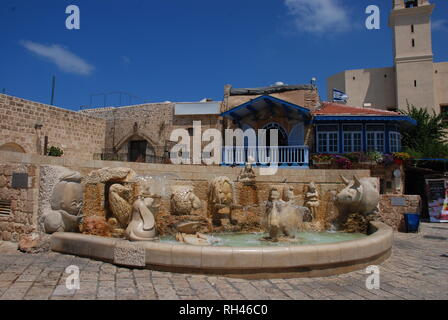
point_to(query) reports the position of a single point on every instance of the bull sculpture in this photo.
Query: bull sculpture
(359, 196)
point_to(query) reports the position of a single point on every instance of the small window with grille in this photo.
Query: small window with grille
(5, 207)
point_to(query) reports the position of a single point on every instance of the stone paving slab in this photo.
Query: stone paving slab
(416, 270)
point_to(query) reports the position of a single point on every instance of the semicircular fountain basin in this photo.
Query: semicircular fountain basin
(313, 255)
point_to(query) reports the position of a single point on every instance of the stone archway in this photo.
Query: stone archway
(12, 147)
(282, 134)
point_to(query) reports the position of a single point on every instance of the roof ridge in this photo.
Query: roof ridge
(355, 107)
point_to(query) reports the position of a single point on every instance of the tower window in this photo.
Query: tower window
(354, 78)
(415, 83)
(412, 28)
(385, 76)
(413, 42)
(411, 3)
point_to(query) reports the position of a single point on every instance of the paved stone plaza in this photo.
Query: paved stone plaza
(417, 269)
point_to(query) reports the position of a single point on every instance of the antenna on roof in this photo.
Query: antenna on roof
(53, 85)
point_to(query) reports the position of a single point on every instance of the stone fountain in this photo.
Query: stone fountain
(127, 218)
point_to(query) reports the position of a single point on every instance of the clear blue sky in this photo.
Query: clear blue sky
(182, 50)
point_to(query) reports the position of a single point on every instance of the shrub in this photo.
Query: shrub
(402, 156)
(342, 161)
(55, 152)
(375, 156)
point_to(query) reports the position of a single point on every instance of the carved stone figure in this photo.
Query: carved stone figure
(197, 239)
(289, 194)
(247, 175)
(66, 205)
(143, 226)
(119, 204)
(359, 196)
(184, 201)
(221, 200)
(312, 201)
(282, 218)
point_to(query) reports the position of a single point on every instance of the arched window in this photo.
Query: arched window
(297, 135)
(12, 147)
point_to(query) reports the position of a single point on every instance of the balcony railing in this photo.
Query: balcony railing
(284, 156)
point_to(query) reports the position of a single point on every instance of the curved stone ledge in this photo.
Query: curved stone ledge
(248, 262)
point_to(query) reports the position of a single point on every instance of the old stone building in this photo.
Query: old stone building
(32, 127)
(143, 133)
(414, 77)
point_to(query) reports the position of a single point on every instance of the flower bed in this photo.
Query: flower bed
(358, 160)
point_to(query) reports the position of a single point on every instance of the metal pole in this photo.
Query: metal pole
(53, 85)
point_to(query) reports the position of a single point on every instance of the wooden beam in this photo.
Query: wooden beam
(271, 106)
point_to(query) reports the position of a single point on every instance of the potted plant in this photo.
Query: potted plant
(400, 157)
(388, 159)
(342, 162)
(321, 159)
(375, 157)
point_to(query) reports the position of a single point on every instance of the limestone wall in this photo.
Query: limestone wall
(251, 200)
(392, 209)
(23, 201)
(152, 122)
(78, 135)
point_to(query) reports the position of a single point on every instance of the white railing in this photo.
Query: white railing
(290, 155)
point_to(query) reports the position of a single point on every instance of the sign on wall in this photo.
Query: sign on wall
(437, 195)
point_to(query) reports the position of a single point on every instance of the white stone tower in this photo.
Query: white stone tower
(413, 57)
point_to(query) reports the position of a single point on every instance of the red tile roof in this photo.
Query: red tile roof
(331, 108)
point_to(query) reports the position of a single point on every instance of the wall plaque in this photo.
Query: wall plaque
(398, 201)
(19, 180)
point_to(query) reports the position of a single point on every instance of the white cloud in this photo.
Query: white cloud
(319, 16)
(63, 58)
(439, 25)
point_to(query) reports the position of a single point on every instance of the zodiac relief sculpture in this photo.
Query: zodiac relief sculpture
(121, 207)
(247, 175)
(143, 226)
(359, 196)
(282, 218)
(66, 201)
(312, 201)
(221, 200)
(184, 201)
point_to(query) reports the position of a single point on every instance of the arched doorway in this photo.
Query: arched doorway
(139, 150)
(12, 147)
(282, 135)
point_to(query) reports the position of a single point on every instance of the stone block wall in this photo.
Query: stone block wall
(24, 201)
(251, 200)
(152, 122)
(26, 123)
(393, 215)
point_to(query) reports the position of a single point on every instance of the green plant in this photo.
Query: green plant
(402, 156)
(427, 138)
(322, 157)
(354, 156)
(55, 152)
(375, 156)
